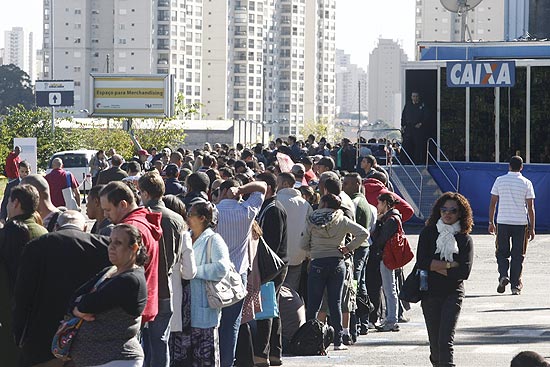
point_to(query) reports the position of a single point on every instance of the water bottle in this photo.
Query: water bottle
(423, 280)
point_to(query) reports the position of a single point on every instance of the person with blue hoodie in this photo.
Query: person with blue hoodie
(323, 238)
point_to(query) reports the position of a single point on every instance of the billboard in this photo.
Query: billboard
(481, 74)
(146, 96)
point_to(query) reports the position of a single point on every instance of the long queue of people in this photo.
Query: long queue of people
(167, 224)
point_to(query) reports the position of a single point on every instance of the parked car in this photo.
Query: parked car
(76, 162)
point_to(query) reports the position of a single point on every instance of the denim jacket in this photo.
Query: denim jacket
(202, 316)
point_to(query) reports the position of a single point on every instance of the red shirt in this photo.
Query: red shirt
(57, 180)
(12, 166)
(148, 224)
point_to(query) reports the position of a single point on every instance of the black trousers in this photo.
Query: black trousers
(518, 236)
(441, 316)
(374, 285)
(268, 343)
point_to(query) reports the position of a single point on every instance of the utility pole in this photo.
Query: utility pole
(359, 103)
(52, 56)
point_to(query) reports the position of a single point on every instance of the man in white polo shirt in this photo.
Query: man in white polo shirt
(516, 220)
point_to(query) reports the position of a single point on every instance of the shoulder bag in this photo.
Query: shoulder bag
(68, 330)
(397, 251)
(410, 291)
(227, 291)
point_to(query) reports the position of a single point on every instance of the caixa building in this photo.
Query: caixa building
(488, 102)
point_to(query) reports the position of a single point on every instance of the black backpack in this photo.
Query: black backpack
(312, 339)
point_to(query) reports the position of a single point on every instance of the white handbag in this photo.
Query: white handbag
(68, 195)
(227, 291)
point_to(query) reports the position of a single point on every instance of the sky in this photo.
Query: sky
(359, 24)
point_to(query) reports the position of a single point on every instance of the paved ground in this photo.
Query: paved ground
(492, 328)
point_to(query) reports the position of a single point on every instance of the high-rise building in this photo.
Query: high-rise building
(348, 77)
(300, 81)
(385, 82)
(14, 48)
(251, 60)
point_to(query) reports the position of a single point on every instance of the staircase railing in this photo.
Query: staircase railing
(417, 185)
(429, 155)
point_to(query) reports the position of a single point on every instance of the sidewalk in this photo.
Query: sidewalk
(492, 328)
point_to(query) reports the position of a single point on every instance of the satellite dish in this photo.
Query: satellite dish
(461, 7)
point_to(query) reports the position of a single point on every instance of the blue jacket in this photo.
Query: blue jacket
(202, 316)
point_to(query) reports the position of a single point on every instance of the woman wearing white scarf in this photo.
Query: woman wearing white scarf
(445, 251)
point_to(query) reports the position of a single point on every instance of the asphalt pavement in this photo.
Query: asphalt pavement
(492, 327)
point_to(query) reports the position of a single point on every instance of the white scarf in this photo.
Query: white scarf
(446, 243)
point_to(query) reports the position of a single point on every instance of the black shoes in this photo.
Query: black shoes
(503, 282)
(347, 340)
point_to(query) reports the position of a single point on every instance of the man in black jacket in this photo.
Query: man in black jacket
(115, 173)
(272, 219)
(197, 185)
(52, 267)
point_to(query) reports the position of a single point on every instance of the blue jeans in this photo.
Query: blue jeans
(155, 337)
(390, 291)
(329, 273)
(229, 330)
(518, 235)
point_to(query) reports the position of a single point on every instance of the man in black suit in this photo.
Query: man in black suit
(52, 267)
(115, 173)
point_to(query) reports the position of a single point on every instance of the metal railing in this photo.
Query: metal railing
(430, 155)
(419, 187)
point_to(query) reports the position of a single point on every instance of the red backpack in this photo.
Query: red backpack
(397, 252)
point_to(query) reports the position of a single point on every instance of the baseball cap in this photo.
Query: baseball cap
(143, 152)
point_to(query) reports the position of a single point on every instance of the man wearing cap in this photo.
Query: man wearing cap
(142, 159)
(298, 170)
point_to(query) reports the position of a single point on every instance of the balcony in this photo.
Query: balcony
(163, 3)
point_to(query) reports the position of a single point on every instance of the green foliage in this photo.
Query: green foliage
(20, 122)
(15, 88)
(322, 128)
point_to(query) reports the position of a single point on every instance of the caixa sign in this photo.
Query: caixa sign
(481, 74)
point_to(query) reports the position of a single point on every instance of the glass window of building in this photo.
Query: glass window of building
(453, 120)
(513, 118)
(540, 114)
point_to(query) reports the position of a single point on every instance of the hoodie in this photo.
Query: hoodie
(325, 232)
(148, 224)
(375, 188)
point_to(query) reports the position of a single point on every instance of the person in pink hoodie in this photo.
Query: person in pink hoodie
(376, 186)
(119, 205)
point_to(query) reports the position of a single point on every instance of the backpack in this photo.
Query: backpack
(312, 339)
(397, 252)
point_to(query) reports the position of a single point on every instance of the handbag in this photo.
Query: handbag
(410, 291)
(68, 195)
(269, 262)
(227, 291)
(397, 252)
(68, 330)
(270, 308)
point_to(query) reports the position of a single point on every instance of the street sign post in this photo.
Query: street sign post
(54, 93)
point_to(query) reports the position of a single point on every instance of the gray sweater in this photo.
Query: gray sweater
(325, 232)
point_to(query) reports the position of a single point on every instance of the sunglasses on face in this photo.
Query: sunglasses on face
(445, 210)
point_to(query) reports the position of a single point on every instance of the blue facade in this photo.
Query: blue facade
(476, 181)
(476, 51)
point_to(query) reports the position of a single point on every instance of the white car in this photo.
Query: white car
(76, 162)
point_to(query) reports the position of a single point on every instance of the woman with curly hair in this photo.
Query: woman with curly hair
(445, 251)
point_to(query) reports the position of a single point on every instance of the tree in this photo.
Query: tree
(15, 88)
(322, 128)
(19, 122)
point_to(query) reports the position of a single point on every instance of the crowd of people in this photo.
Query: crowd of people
(169, 222)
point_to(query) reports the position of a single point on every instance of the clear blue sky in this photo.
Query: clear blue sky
(359, 23)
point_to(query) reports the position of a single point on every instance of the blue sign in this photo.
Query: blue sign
(481, 74)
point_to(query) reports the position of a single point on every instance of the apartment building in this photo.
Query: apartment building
(348, 77)
(14, 48)
(384, 88)
(260, 60)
